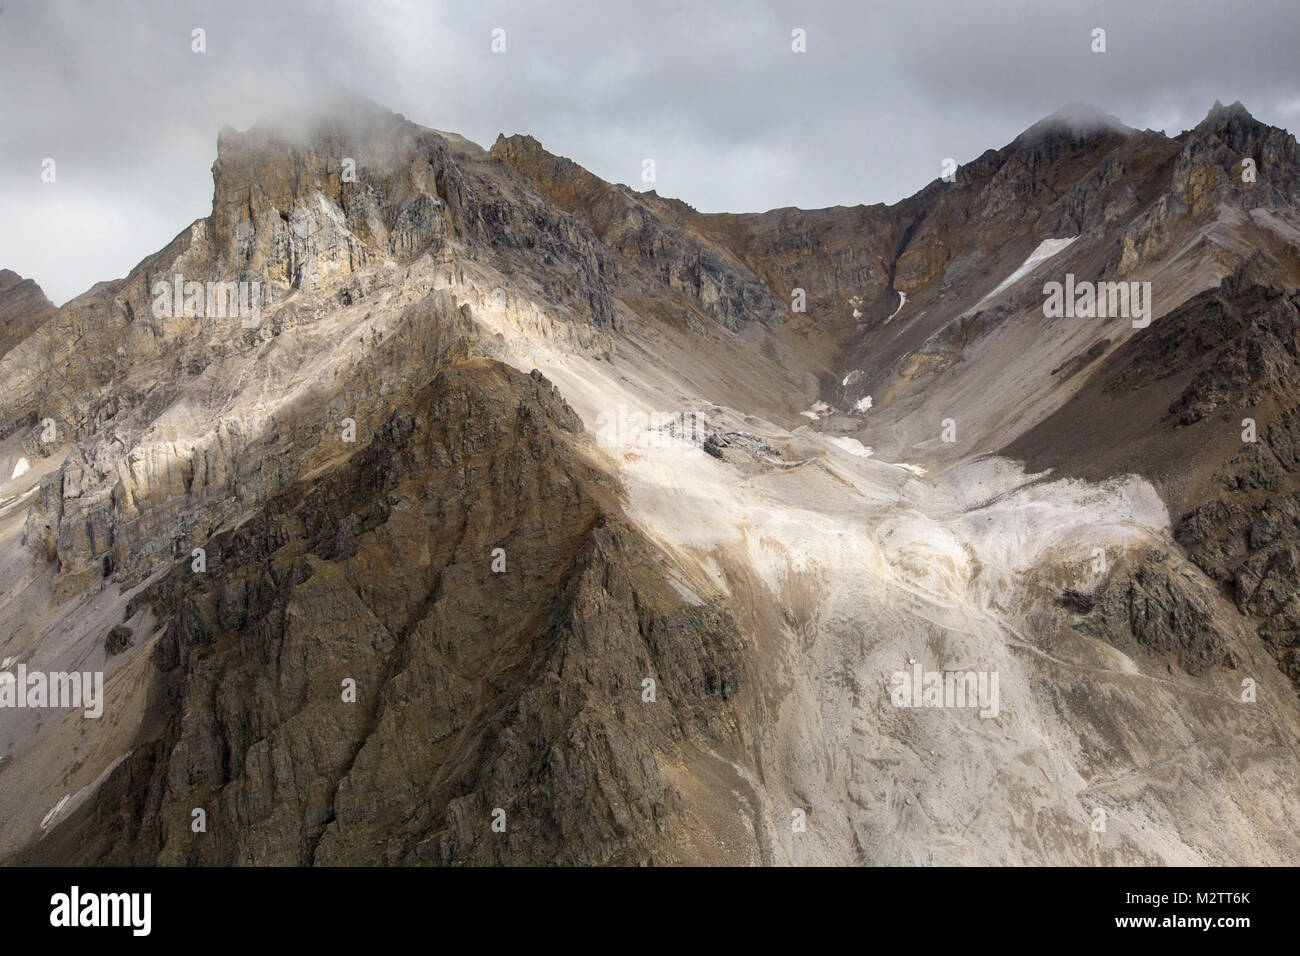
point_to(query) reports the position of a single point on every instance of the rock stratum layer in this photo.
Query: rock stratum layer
(463, 508)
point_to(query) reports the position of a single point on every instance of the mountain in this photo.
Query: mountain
(426, 504)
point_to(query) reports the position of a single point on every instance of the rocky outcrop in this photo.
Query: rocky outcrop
(1180, 402)
(1240, 341)
(118, 640)
(114, 512)
(1160, 604)
(1246, 535)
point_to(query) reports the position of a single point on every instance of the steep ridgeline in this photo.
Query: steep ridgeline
(432, 505)
(912, 301)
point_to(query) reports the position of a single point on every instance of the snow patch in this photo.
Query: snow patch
(852, 446)
(49, 817)
(21, 468)
(1046, 249)
(902, 301)
(862, 404)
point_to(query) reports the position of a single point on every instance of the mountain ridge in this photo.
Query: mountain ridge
(451, 349)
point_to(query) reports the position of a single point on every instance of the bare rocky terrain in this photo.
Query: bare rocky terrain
(528, 521)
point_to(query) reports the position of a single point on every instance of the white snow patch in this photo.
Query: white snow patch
(851, 378)
(902, 301)
(1046, 249)
(852, 446)
(862, 404)
(21, 468)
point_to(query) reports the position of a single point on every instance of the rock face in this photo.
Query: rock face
(23, 307)
(1246, 535)
(1167, 610)
(650, 235)
(372, 496)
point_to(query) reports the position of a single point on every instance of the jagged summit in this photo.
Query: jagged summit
(1234, 116)
(1236, 108)
(1234, 122)
(1227, 138)
(348, 120)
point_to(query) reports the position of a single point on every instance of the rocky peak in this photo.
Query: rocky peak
(323, 195)
(14, 287)
(1220, 112)
(23, 307)
(1233, 126)
(1217, 152)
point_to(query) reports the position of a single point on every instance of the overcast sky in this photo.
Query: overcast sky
(712, 91)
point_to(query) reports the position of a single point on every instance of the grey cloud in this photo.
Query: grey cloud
(734, 119)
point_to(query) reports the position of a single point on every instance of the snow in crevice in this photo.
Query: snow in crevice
(902, 301)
